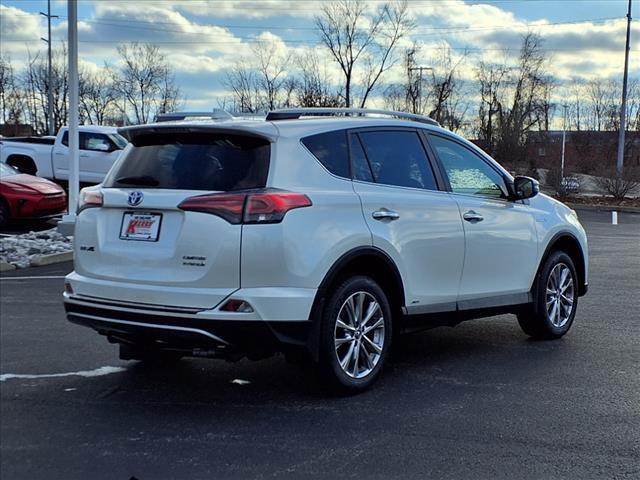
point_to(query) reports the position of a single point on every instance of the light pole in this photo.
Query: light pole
(623, 107)
(68, 221)
(50, 73)
(564, 136)
(419, 70)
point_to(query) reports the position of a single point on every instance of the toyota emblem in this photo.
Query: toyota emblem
(135, 198)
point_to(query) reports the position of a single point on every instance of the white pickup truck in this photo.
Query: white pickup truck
(48, 157)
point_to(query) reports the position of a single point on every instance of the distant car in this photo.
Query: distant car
(570, 184)
(28, 196)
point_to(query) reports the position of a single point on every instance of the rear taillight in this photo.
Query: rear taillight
(236, 208)
(89, 198)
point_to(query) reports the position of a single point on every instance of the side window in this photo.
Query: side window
(65, 138)
(94, 141)
(361, 169)
(331, 149)
(467, 172)
(398, 158)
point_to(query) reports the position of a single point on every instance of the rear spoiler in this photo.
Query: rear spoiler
(130, 133)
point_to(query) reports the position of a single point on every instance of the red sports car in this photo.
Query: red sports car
(28, 196)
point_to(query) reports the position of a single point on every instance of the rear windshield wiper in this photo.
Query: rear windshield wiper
(146, 180)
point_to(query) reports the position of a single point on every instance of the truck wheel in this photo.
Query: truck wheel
(355, 335)
(556, 299)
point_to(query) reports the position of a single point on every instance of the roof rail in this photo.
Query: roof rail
(215, 114)
(296, 113)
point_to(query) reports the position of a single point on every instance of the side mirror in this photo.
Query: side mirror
(525, 187)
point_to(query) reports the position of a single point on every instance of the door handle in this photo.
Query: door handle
(83, 155)
(472, 216)
(384, 214)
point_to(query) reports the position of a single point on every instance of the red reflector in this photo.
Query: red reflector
(226, 205)
(267, 207)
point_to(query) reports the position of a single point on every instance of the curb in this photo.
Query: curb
(42, 260)
(6, 267)
(602, 208)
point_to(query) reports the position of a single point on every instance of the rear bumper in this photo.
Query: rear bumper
(184, 329)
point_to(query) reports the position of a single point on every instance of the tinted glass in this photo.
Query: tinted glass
(361, 169)
(95, 141)
(65, 138)
(467, 172)
(193, 161)
(331, 149)
(398, 158)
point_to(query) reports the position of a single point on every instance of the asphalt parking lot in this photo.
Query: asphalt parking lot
(476, 401)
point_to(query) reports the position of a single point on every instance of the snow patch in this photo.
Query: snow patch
(98, 372)
(20, 249)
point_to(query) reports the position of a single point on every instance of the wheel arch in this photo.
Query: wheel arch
(22, 162)
(369, 261)
(568, 243)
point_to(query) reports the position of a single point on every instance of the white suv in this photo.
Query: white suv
(318, 232)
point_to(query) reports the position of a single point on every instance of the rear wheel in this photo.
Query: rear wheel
(355, 334)
(556, 299)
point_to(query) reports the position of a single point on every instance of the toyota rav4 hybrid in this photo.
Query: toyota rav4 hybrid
(317, 233)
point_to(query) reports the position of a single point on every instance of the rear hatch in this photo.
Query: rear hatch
(145, 231)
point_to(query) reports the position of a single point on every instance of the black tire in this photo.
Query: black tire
(537, 322)
(361, 376)
(4, 213)
(147, 354)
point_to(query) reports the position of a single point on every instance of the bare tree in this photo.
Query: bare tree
(313, 88)
(491, 78)
(353, 38)
(513, 100)
(619, 186)
(35, 82)
(242, 82)
(145, 80)
(170, 98)
(447, 105)
(11, 98)
(98, 96)
(271, 77)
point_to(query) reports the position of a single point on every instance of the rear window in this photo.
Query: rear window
(193, 161)
(332, 151)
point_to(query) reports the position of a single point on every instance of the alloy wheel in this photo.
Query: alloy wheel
(359, 334)
(560, 295)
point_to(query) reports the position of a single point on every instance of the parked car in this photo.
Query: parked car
(25, 196)
(323, 238)
(48, 157)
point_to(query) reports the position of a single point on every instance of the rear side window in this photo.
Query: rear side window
(398, 158)
(193, 161)
(331, 149)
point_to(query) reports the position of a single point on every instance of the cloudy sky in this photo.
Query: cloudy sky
(202, 38)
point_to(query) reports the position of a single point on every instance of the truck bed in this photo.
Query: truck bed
(38, 140)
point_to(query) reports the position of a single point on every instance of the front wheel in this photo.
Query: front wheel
(355, 334)
(556, 299)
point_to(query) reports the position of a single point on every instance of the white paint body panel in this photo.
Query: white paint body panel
(426, 242)
(501, 251)
(278, 268)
